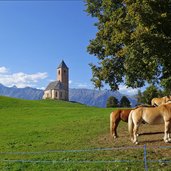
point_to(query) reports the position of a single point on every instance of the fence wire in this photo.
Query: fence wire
(145, 160)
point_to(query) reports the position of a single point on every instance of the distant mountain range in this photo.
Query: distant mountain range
(23, 93)
(96, 97)
(85, 96)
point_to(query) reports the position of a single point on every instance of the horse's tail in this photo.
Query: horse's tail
(130, 124)
(111, 123)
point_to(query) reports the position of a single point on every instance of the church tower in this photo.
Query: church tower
(62, 76)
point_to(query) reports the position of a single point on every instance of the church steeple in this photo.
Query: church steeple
(63, 65)
(62, 75)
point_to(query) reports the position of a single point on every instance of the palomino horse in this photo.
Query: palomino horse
(115, 117)
(159, 101)
(156, 115)
(118, 115)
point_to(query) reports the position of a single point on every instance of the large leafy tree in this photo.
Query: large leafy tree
(133, 42)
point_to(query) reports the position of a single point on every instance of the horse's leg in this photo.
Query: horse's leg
(112, 124)
(114, 121)
(166, 132)
(135, 130)
(115, 127)
(169, 132)
(114, 133)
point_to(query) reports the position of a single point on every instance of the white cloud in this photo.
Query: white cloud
(79, 85)
(128, 91)
(82, 85)
(20, 79)
(3, 70)
(41, 88)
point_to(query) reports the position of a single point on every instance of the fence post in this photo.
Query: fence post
(145, 158)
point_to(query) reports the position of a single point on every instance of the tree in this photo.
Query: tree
(112, 102)
(124, 102)
(139, 97)
(132, 44)
(148, 95)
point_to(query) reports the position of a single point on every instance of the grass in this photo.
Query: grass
(31, 132)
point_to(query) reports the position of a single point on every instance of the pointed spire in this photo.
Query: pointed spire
(62, 65)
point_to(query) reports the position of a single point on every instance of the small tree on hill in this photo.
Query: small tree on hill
(112, 102)
(124, 102)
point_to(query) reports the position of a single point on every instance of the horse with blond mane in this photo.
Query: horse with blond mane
(159, 101)
(156, 115)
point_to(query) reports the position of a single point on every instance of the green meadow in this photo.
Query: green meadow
(57, 135)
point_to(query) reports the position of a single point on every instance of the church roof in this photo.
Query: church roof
(55, 85)
(62, 65)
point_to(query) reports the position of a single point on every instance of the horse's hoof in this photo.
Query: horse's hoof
(114, 136)
(136, 143)
(166, 141)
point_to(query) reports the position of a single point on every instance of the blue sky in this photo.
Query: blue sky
(36, 35)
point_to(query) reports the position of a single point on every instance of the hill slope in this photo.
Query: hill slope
(57, 135)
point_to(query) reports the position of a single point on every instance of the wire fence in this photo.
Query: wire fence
(145, 159)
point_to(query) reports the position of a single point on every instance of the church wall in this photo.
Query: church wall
(53, 94)
(47, 94)
(56, 94)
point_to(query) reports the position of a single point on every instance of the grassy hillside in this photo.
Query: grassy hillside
(33, 133)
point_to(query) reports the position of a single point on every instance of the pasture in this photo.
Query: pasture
(57, 135)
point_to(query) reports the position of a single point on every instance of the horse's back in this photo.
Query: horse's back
(120, 114)
(115, 114)
(157, 115)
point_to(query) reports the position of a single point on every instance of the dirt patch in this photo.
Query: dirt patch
(151, 135)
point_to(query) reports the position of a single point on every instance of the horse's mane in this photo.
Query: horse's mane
(169, 101)
(144, 105)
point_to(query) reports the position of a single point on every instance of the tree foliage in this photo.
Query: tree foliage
(133, 42)
(124, 102)
(150, 93)
(112, 102)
